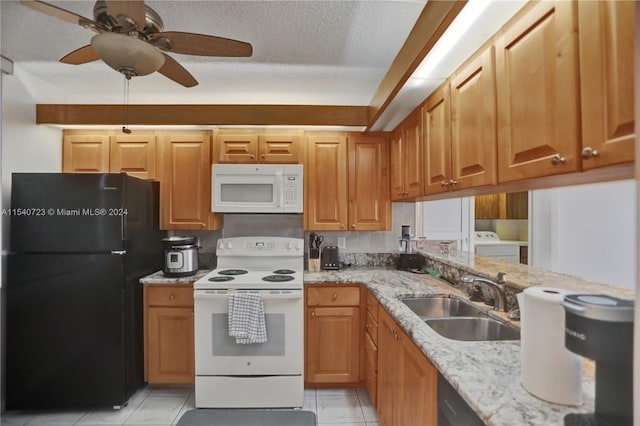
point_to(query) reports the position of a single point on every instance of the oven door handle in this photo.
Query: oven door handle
(265, 296)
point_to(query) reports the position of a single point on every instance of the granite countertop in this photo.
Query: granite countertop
(159, 278)
(485, 374)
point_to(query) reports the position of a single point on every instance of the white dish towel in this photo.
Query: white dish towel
(246, 318)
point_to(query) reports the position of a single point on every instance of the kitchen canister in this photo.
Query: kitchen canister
(549, 371)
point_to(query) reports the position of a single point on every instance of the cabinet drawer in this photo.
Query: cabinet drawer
(372, 305)
(169, 296)
(372, 328)
(371, 351)
(371, 382)
(333, 296)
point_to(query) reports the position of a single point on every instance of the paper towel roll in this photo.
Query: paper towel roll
(549, 371)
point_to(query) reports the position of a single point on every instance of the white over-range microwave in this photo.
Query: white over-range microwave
(257, 188)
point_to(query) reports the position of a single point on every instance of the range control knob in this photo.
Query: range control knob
(221, 245)
(229, 245)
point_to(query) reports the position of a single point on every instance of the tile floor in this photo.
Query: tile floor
(162, 406)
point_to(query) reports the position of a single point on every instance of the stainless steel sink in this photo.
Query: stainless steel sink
(441, 307)
(472, 329)
(459, 320)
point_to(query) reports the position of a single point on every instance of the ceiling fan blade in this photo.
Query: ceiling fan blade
(81, 56)
(133, 9)
(204, 45)
(176, 72)
(56, 12)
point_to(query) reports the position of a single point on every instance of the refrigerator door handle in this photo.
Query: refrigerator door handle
(119, 252)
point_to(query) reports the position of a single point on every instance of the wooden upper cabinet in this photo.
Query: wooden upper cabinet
(412, 161)
(134, 154)
(473, 122)
(247, 146)
(325, 182)
(395, 164)
(185, 181)
(237, 147)
(406, 158)
(537, 92)
(85, 152)
(437, 125)
(106, 151)
(280, 148)
(369, 203)
(607, 82)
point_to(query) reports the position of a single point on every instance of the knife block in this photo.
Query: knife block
(313, 260)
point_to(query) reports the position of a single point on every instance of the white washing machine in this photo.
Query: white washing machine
(488, 243)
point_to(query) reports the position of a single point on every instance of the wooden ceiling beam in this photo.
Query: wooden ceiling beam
(435, 18)
(245, 115)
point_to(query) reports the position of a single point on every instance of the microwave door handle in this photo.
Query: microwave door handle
(278, 196)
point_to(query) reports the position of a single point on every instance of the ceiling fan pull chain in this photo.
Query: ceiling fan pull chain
(125, 128)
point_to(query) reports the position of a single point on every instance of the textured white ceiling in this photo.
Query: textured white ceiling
(305, 52)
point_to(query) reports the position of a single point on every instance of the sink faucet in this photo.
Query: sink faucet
(498, 286)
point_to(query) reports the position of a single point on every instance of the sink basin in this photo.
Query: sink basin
(459, 320)
(441, 307)
(472, 329)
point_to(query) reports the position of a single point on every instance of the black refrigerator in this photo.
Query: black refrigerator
(79, 243)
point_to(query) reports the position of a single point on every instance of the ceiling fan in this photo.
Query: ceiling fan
(131, 39)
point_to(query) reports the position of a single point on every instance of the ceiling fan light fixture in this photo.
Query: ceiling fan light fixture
(126, 54)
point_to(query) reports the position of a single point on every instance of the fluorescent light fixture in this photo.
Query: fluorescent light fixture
(467, 16)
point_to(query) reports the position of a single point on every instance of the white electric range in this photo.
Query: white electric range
(257, 375)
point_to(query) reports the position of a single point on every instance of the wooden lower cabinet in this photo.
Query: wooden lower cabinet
(168, 334)
(332, 337)
(407, 380)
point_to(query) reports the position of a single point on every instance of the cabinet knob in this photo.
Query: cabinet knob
(444, 184)
(171, 297)
(453, 182)
(342, 226)
(589, 152)
(369, 326)
(557, 159)
(264, 156)
(334, 296)
(353, 226)
(252, 156)
(313, 313)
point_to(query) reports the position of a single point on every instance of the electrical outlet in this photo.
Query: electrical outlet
(342, 243)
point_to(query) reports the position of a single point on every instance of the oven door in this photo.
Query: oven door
(218, 354)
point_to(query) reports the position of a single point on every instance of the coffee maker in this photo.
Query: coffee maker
(408, 259)
(600, 327)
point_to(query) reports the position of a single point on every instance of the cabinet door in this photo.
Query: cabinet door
(438, 141)
(85, 153)
(395, 164)
(170, 345)
(412, 161)
(240, 147)
(607, 81)
(369, 203)
(417, 397)
(388, 367)
(185, 182)
(537, 92)
(473, 122)
(280, 148)
(326, 178)
(328, 329)
(134, 154)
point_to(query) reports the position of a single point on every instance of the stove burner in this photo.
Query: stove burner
(284, 271)
(277, 278)
(221, 279)
(232, 272)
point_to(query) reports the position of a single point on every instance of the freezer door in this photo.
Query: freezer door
(65, 344)
(67, 213)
